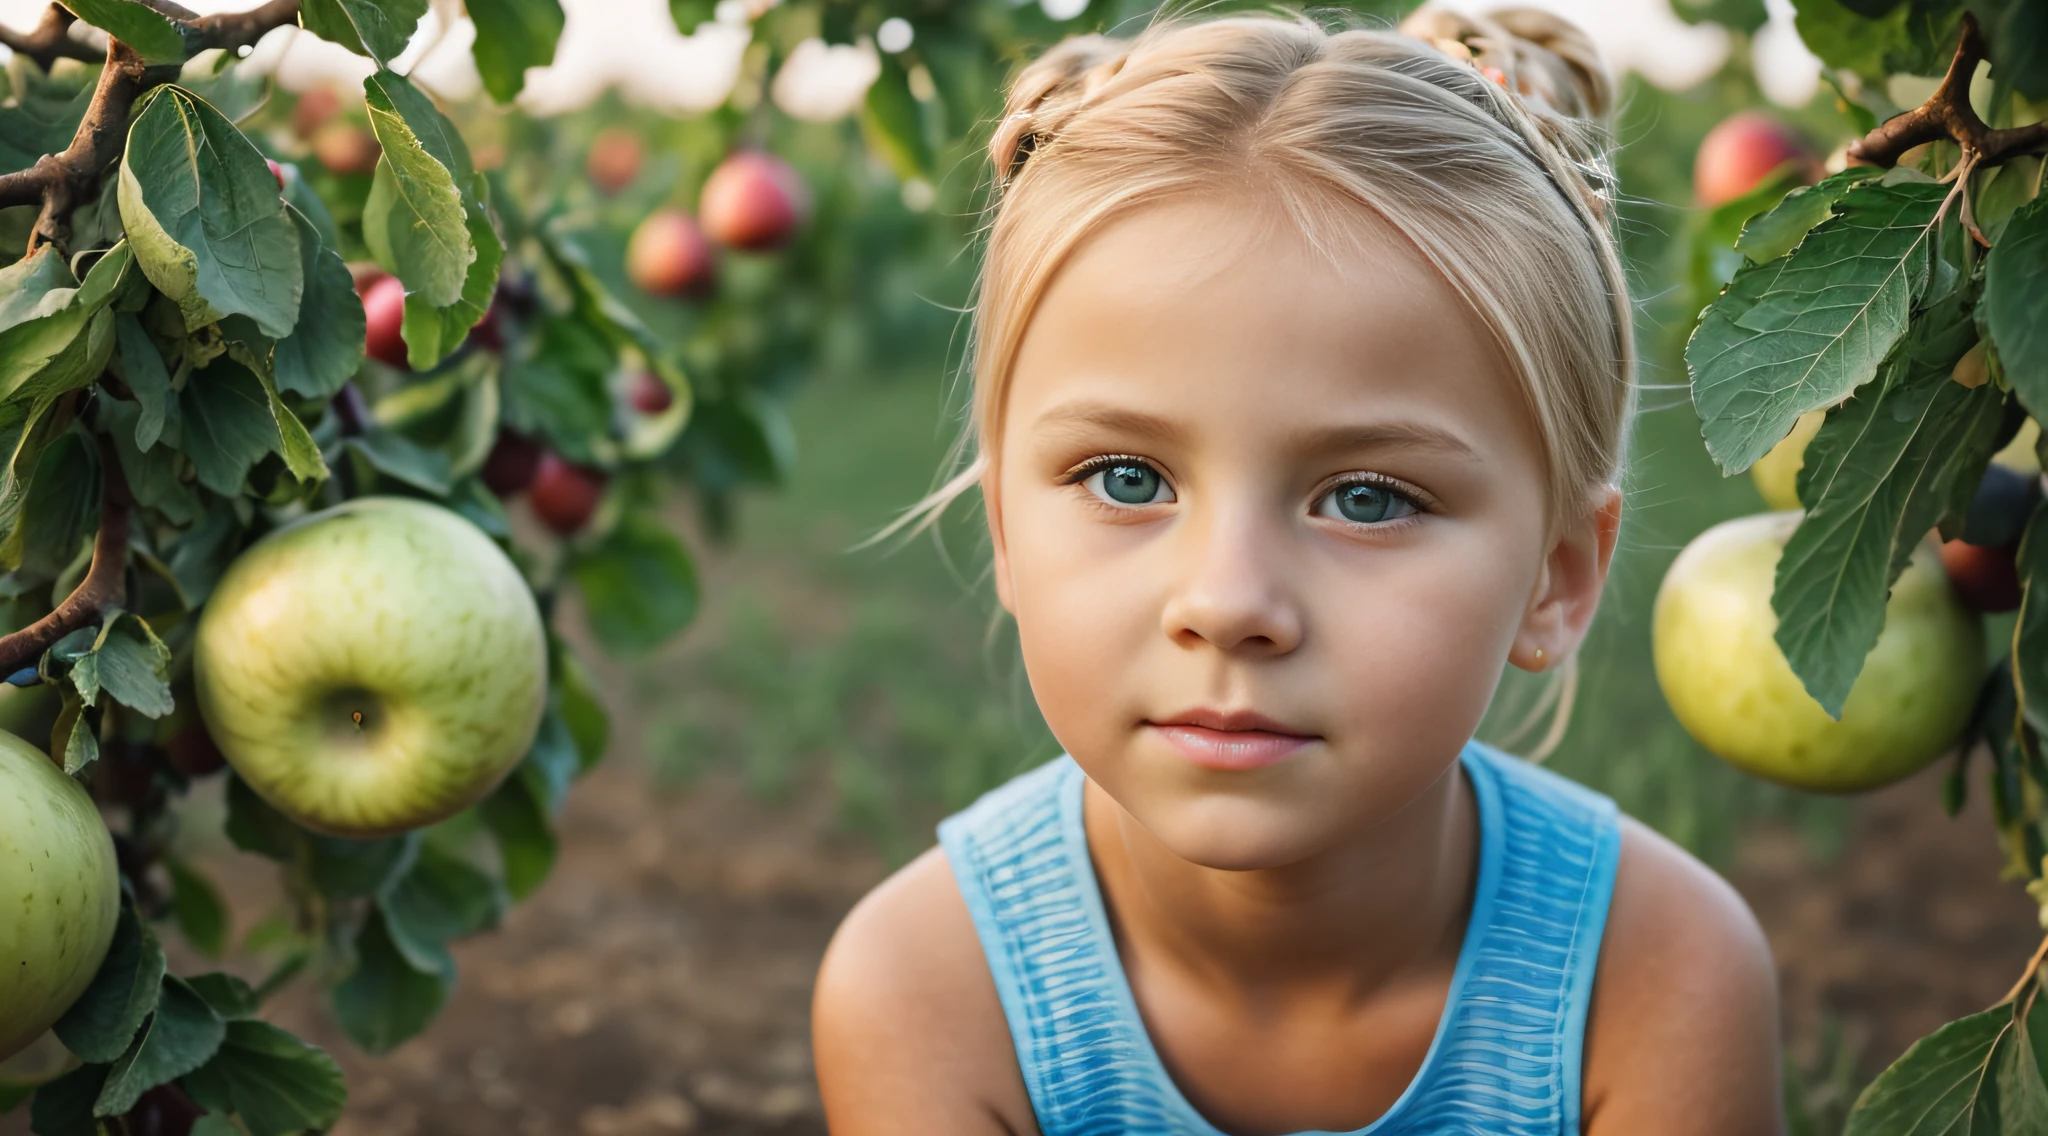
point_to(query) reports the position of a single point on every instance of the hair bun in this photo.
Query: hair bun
(1048, 92)
(1546, 59)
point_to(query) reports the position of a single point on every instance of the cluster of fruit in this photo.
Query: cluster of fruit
(1718, 661)
(357, 702)
(753, 201)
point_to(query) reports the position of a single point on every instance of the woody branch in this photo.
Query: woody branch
(1947, 114)
(61, 182)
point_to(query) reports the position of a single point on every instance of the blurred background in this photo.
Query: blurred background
(826, 707)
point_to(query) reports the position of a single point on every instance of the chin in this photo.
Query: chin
(1235, 833)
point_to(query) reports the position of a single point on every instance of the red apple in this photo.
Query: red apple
(276, 171)
(1738, 154)
(614, 159)
(667, 255)
(345, 148)
(314, 108)
(510, 468)
(753, 200)
(384, 321)
(1985, 576)
(648, 394)
(563, 494)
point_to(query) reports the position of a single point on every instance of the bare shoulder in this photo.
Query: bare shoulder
(1682, 1036)
(906, 1027)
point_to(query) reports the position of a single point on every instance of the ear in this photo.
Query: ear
(991, 508)
(1567, 592)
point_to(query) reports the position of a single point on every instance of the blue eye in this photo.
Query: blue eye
(1369, 502)
(1127, 481)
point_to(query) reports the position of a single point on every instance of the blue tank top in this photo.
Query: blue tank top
(1505, 1058)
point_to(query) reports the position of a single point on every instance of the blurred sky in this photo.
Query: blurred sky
(635, 46)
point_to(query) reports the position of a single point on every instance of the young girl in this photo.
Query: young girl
(1303, 381)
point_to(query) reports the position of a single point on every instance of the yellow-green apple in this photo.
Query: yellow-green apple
(1729, 684)
(372, 668)
(60, 893)
(1777, 473)
(43, 1060)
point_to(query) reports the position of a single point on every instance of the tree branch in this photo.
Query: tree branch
(105, 583)
(50, 41)
(62, 182)
(1947, 113)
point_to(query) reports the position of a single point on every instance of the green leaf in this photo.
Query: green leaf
(130, 663)
(554, 761)
(349, 869)
(588, 723)
(64, 1106)
(295, 442)
(101, 1024)
(385, 1000)
(2022, 1097)
(74, 736)
(2016, 303)
(229, 996)
(148, 379)
(182, 1035)
(689, 13)
(1935, 1089)
(1915, 38)
(2030, 635)
(1881, 471)
(153, 477)
(201, 913)
(276, 1083)
(205, 218)
(440, 899)
(61, 511)
(137, 25)
(2016, 31)
(326, 346)
(893, 123)
(511, 36)
(432, 333)
(379, 29)
(415, 222)
(394, 455)
(1803, 331)
(227, 423)
(202, 553)
(639, 586)
(1772, 235)
(517, 816)
(38, 316)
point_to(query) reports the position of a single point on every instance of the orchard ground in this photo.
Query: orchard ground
(776, 761)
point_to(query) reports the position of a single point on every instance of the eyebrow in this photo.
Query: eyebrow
(1074, 417)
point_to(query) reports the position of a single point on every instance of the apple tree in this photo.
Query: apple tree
(1900, 307)
(194, 434)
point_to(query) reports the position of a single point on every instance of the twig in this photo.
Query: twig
(105, 583)
(50, 41)
(1947, 114)
(62, 182)
(2026, 976)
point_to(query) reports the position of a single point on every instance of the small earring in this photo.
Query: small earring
(1539, 658)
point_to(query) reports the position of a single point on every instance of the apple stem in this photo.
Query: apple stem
(104, 585)
(356, 716)
(1947, 114)
(61, 182)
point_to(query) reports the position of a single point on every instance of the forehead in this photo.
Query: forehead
(1221, 315)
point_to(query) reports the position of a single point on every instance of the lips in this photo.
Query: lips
(1234, 740)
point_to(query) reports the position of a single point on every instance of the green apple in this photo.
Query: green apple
(1731, 688)
(44, 1060)
(372, 668)
(60, 893)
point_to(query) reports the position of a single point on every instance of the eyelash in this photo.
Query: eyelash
(1087, 469)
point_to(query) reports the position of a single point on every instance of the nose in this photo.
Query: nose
(1234, 592)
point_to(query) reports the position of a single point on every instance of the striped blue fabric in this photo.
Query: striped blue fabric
(1505, 1059)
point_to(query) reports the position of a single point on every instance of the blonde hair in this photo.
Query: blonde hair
(1480, 140)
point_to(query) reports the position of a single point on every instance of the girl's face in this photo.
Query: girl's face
(1234, 475)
